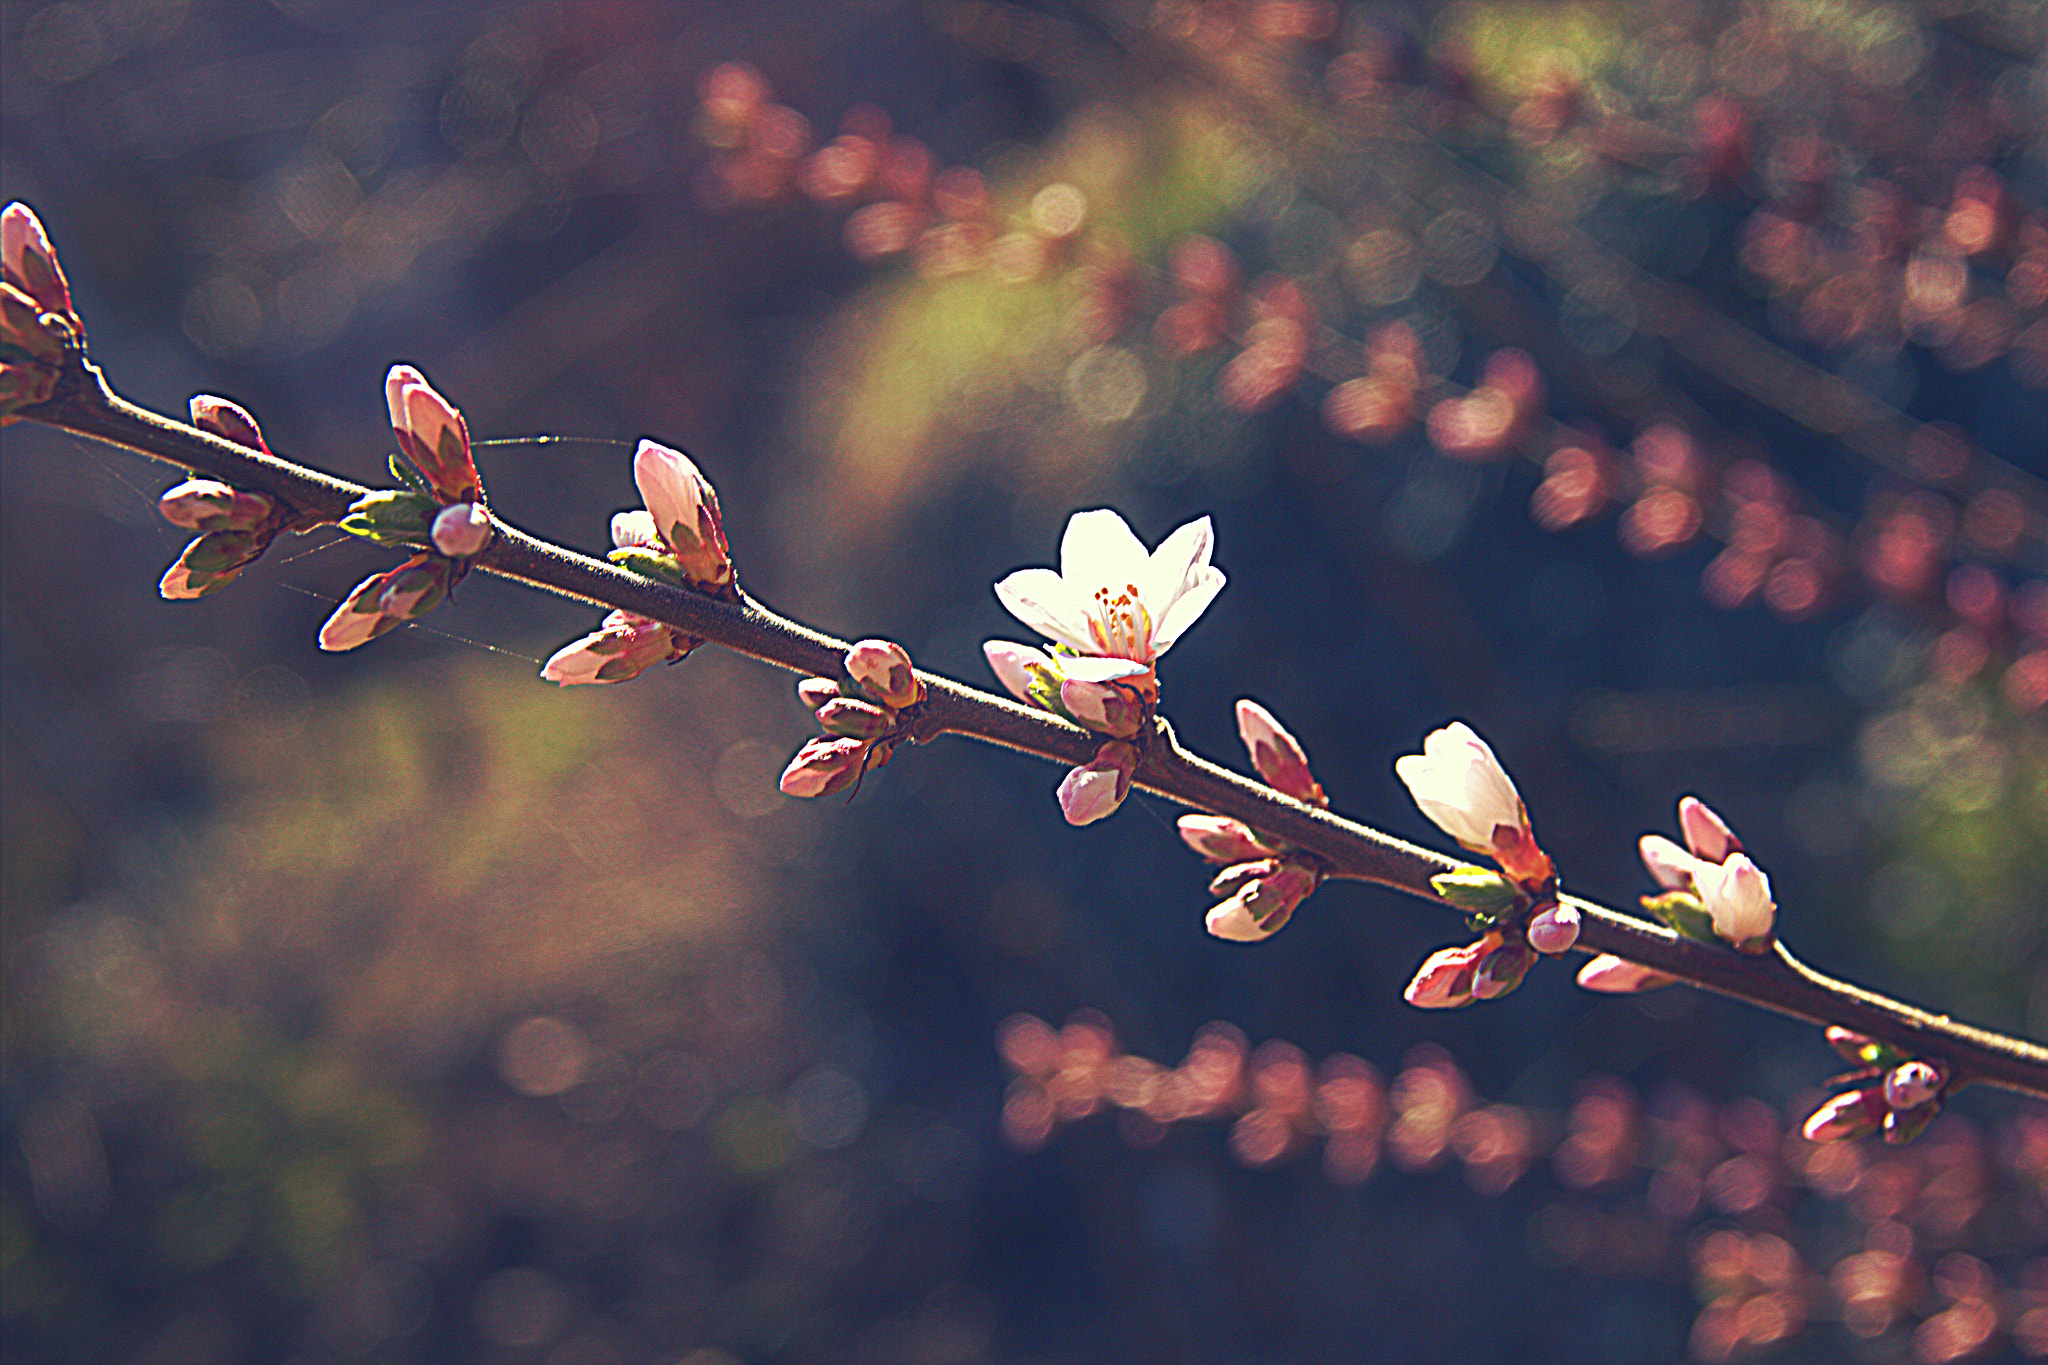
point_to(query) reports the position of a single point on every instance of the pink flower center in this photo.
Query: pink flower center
(1121, 626)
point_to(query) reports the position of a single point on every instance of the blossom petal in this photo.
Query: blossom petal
(1171, 569)
(1187, 608)
(1048, 604)
(1091, 668)
(1099, 549)
(1012, 664)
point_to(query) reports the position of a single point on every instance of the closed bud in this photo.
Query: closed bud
(1262, 898)
(227, 420)
(210, 505)
(855, 719)
(1554, 930)
(1851, 1114)
(1444, 981)
(1612, 975)
(211, 562)
(413, 589)
(1671, 865)
(461, 529)
(385, 601)
(883, 670)
(685, 511)
(432, 434)
(29, 262)
(1911, 1085)
(1706, 833)
(815, 692)
(624, 647)
(635, 530)
(1235, 878)
(1220, 839)
(1096, 789)
(1017, 666)
(1104, 708)
(824, 766)
(1276, 754)
(1502, 970)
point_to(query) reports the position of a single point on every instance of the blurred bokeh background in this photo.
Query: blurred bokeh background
(1660, 387)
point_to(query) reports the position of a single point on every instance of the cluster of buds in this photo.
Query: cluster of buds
(1108, 612)
(1463, 789)
(37, 323)
(1262, 880)
(677, 538)
(1894, 1094)
(234, 527)
(862, 715)
(440, 514)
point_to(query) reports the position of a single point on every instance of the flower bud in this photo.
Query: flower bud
(1911, 1085)
(685, 511)
(1262, 898)
(1554, 930)
(1462, 788)
(33, 378)
(210, 505)
(1706, 833)
(1502, 970)
(461, 529)
(1276, 754)
(884, 671)
(227, 420)
(1670, 865)
(856, 719)
(1237, 876)
(432, 434)
(1014, 666)
(1612, 975)
(386, 600)
(815, 692)
(1738, 896)
(623, 647)
(1095, 790)
(28, 262)
(1220, 839)
(1444, 981)
(211, 562)
(824, 766)
(1102, 707)
(636, 528)
(1851, 1114)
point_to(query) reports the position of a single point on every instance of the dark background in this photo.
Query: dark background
(393, 1006)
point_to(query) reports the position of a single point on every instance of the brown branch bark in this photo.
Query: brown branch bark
(84, 404)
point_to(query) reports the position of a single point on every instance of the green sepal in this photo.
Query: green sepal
(1044, 688)
(407, 473)
(1870, 1053)
(649, 564)
(1684, 913)
(1479, 889)
(391, 517)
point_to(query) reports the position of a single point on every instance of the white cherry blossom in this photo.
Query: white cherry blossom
(1111, 599)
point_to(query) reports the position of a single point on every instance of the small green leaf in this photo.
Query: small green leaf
(1478, 889)
(1684, 913)
(648, 564)
(391, 517)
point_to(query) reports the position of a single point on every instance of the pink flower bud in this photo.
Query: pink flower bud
(28, 262)
(1102, 707)
(1670, 865)
(210, 505)
(1262, 898)
(856, 719)
(1220, 839)
(1554, 930)
(685, 511)
(1851, 1114)
(213, 561)
(1014, 666)
(357, 621)
(432, 434)
(225, 419)
(33, 379)
(1911, 1085)
(1091, 792)
(815, 692)
(824, 766)
(884, 671)
(1501, 970)
(461, 529)
(413, 589)
(636, 528)
(1618, 976)
(1706, 833)
(1237, 876)
(624, 647)
(1445, 979)
(1276, 755)
(386, 600)
(1738, 896)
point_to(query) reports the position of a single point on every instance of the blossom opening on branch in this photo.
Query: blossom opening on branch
(1463, 789)
(683, 507)
(1111, 598)
(1712, 888)
(1277, 755)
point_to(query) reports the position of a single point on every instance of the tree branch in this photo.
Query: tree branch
(85, 405)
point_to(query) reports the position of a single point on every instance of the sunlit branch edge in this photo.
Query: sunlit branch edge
(85, 405)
